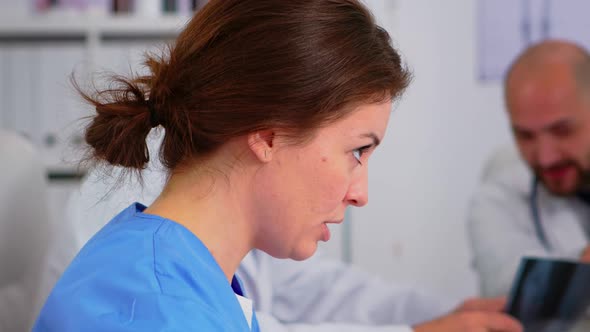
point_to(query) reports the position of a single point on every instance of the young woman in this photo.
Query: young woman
(271, 109)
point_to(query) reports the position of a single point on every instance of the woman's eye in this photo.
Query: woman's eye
(358, 153)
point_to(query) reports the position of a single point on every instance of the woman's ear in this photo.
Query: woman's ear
(261, 143)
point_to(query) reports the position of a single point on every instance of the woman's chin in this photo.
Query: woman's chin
(304, 253)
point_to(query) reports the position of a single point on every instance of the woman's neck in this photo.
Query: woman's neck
(206, 206)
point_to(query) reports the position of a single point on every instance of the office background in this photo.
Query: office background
(421, 178)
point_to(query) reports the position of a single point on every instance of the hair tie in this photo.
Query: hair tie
(154, 118)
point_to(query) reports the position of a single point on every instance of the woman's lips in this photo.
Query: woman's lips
(326, 231)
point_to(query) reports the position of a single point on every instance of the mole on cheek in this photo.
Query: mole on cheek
(324, 159)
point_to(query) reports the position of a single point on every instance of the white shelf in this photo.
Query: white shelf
(68, 26)
(137, 25)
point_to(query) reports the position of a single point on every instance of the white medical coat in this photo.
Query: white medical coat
(501, 227)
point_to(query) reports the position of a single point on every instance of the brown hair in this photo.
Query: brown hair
(246, 65)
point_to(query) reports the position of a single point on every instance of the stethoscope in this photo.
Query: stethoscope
(535, 213)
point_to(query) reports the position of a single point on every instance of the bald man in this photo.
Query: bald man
(534, 199)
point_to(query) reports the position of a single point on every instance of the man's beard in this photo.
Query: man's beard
(583, 177)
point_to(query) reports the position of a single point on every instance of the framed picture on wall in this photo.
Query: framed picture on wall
(507, 27)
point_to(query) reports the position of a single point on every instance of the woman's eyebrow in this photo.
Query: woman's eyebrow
(376, 140)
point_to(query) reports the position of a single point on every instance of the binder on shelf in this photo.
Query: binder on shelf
(3, 90)
(122, 6)
(148, 8)
(58, 102)
(20, 62)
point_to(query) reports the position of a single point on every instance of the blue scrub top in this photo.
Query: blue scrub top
(142, 272)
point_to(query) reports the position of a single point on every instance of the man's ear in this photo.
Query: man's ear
(261, 143)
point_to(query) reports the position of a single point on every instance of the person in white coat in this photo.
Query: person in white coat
(315, 295)
(535, 200)
(23, 229)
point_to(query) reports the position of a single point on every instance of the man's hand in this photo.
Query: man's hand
(585, 258)
(474, 315)
(472, 321)
(483, 304)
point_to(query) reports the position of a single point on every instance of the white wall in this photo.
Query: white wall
(422, 176)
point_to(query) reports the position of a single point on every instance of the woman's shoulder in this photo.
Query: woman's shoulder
(133, 250)
(122, 311)
(142, 270)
